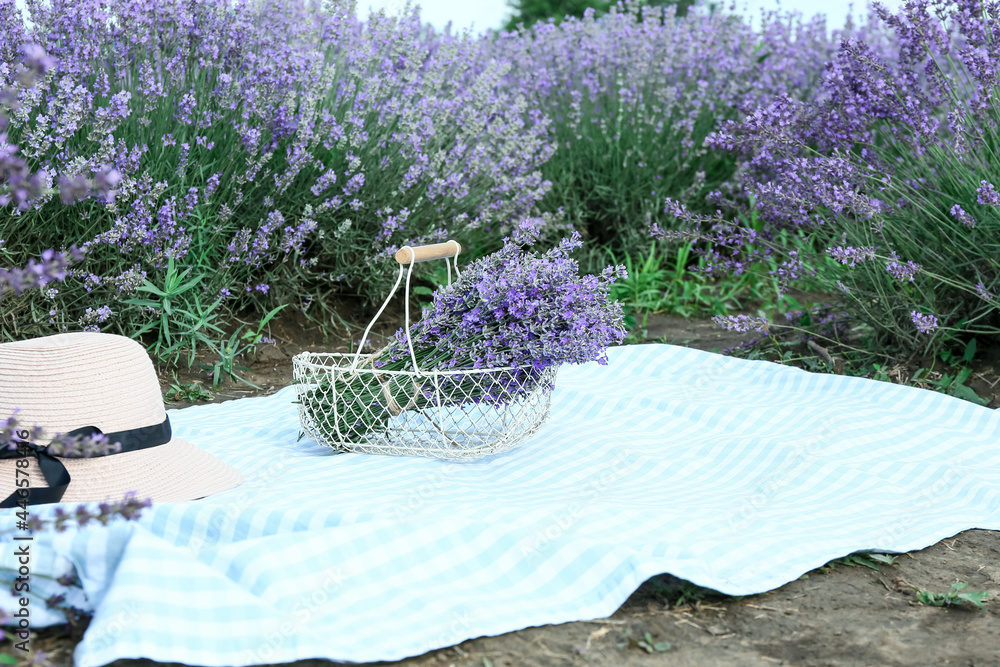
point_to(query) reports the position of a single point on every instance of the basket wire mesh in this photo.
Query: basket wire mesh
(346, 403)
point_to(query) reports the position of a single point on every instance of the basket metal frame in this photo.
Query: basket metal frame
(488, 428)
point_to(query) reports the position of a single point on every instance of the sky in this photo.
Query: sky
(486, 14)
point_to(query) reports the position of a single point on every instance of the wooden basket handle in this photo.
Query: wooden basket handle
(424, 253)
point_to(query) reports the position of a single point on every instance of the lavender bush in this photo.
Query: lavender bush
(279, 149)
(512, 309)
(892, 175)
(633, 94)
(25, 65)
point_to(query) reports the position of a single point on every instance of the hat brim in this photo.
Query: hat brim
(173, 472)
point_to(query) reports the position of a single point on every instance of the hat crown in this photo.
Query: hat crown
(66, 381)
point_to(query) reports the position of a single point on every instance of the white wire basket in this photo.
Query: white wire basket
(346, 403)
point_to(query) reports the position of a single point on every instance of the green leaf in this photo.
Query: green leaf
(966, 393)
(975, 598)
(662, 646)
(188, 285)
(6, 659)
(793, 302)
(151, 288)
(883, 558)
(142, 302)
(267, 318)
(970, 351)
(867, 563)
(149, 326)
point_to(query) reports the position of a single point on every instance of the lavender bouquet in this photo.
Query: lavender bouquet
(520, 312)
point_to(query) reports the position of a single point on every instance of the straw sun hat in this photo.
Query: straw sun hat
(70, 381)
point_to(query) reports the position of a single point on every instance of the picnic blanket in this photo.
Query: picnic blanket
(736, 475)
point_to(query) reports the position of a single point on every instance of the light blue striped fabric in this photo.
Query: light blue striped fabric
(737, 475)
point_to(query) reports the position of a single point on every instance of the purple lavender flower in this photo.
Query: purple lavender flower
(354, 184)
(185, 107)
(987, 194)
(11, 431)
(98, 316)
(851, 255)
(182, 161)
(190, 200)
(924, 323)
(73, 188)
(959, 214)
(323, 182)
(106, 178)
(741, 323)
(901, 272)
(212, 184)
(117, 110)
(52, 267)
(129, 509)
(36, 62)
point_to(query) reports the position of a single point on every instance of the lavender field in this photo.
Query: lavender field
(168, 166)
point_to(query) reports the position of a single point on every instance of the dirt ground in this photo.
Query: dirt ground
(842, 616)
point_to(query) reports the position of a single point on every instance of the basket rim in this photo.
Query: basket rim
(304, 360)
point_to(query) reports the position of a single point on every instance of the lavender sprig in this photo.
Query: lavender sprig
(61, 444)
(128, 509)
(52, 267)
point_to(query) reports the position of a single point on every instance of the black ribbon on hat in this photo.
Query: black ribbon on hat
(55, 473)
